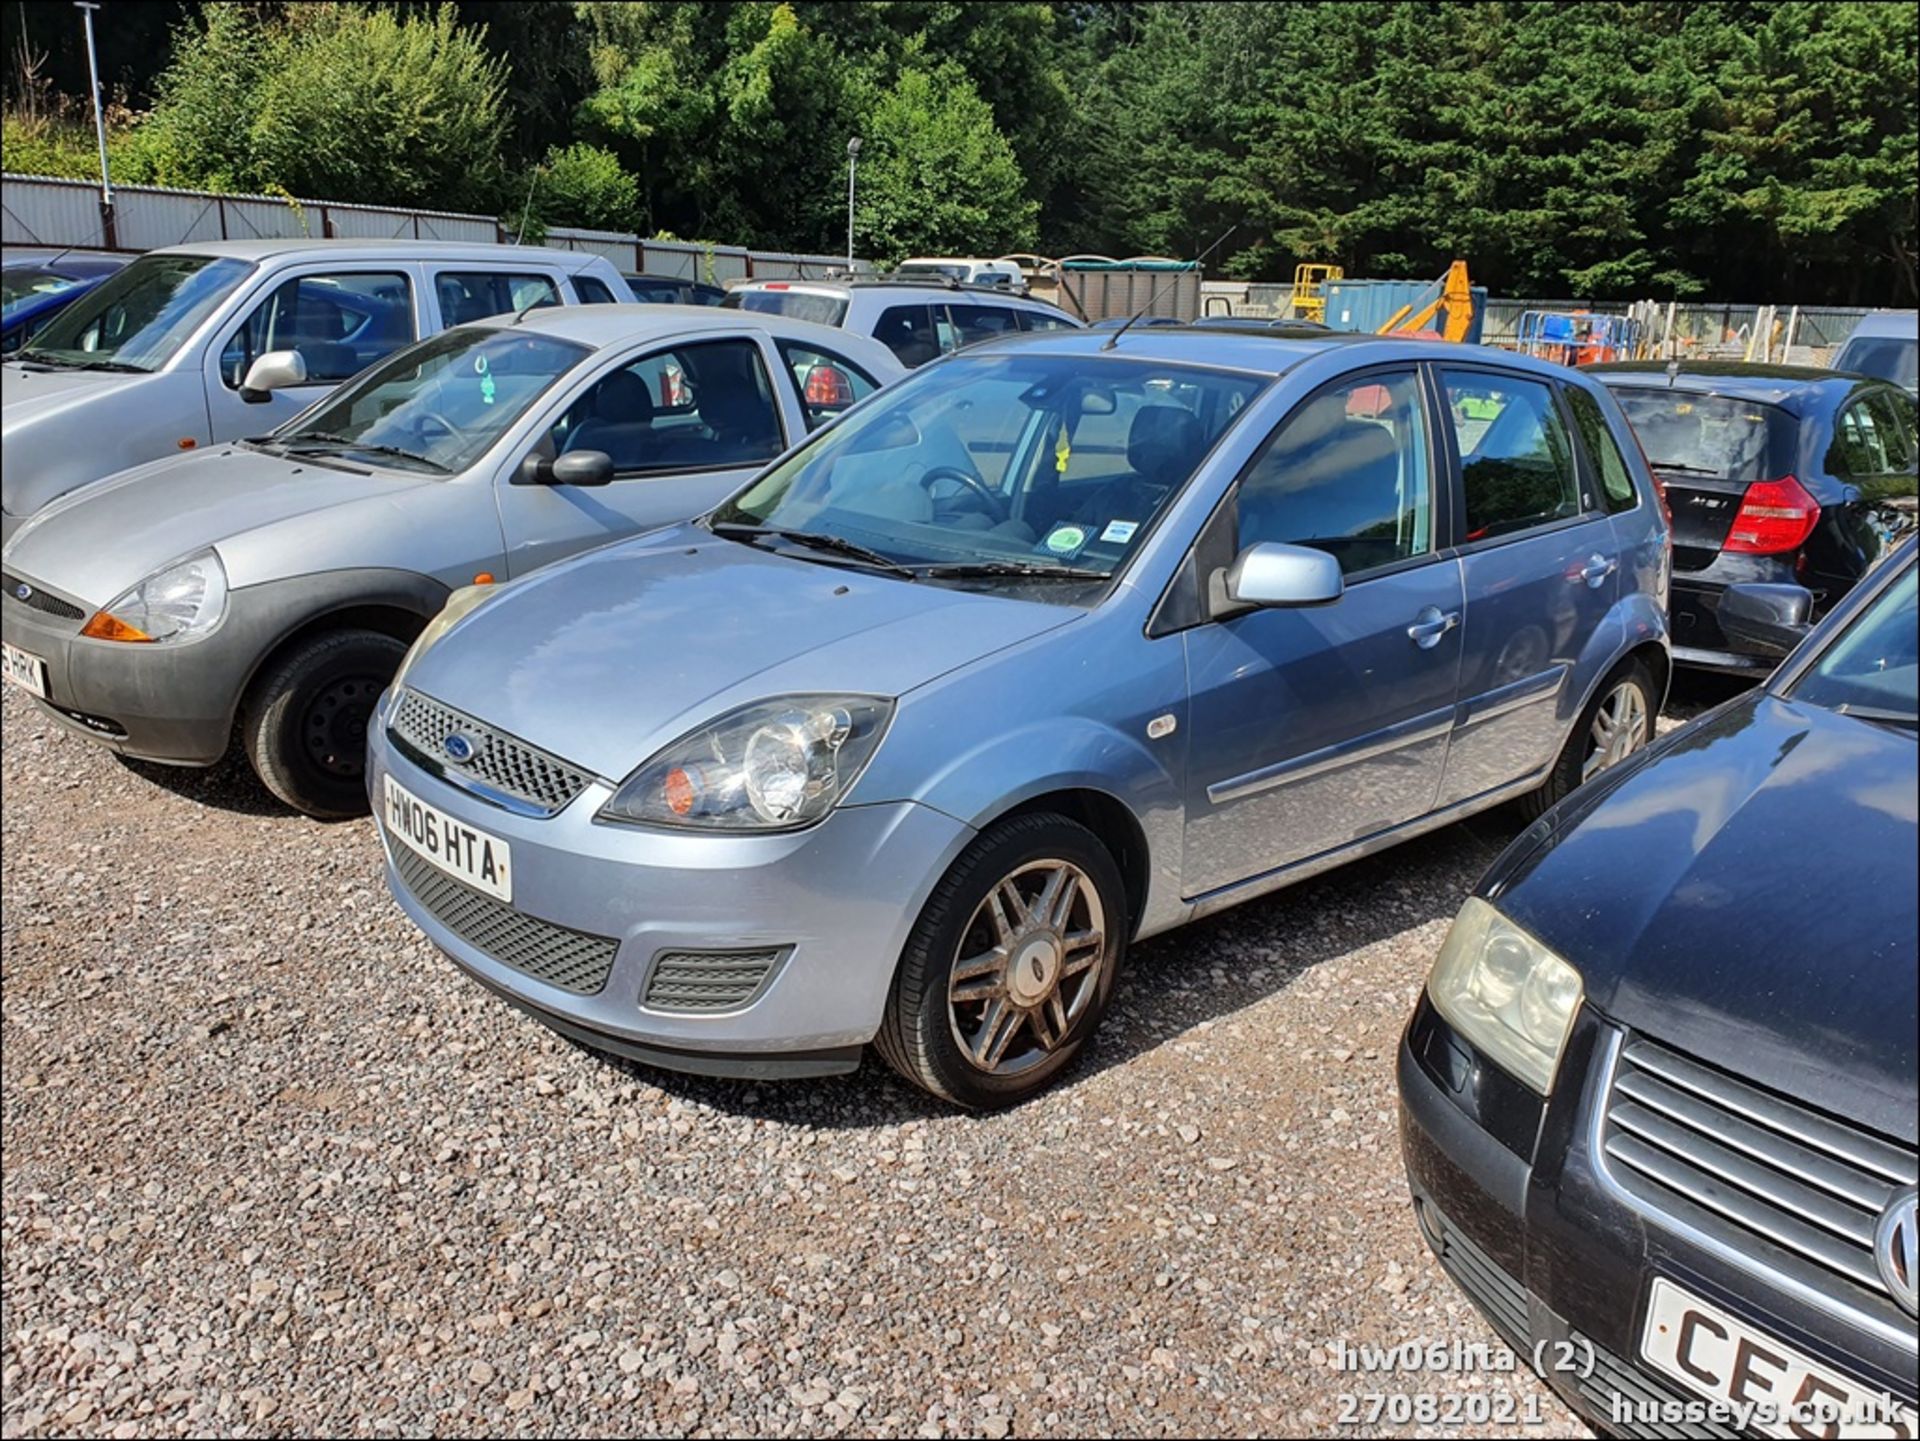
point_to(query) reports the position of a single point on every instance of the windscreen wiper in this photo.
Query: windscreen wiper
(1683, 466)
(309, 441)
(959, 570)
(812, 541)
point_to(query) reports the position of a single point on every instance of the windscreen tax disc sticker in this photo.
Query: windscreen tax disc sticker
(1065, 540)
(1119, 532)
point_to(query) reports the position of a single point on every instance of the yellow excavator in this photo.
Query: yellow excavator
(1451, 293)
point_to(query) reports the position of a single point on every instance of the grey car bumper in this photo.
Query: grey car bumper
(833, 904)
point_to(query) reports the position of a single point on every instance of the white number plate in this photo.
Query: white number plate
(1713, 1353)
(28, 672)
(484, 862)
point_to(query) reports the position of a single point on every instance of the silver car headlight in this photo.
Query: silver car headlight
(183, 601)
(1506, 993)
(773, 765)
(458, 603)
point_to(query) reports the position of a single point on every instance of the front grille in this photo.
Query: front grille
(1612, 1381)
(709, 980)
(571, 960)
(38, 599)
(500, 761)
(1792, 1190)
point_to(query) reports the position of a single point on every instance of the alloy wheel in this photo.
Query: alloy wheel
(1028, 966)
(1620, 727)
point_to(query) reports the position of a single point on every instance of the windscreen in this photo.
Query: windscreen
(1027, 463)
(1887, 357)
(1872, 668)
(138, 318)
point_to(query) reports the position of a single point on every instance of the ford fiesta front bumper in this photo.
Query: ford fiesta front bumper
(751, 955)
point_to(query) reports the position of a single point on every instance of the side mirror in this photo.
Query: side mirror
(1272, 574)
(1762, 619)
(581, 467)
(276, 370)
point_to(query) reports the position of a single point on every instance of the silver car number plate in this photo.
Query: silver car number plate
(1781, 1391)
(27, 671)
(482, 861)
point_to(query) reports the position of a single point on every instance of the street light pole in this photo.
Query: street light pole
(853, 159)
(86, 8)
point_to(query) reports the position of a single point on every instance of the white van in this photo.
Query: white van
(197, 344)
(1000, 274)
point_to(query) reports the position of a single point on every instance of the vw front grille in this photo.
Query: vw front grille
(1795, 1192)
(571, 960)
(498, 761)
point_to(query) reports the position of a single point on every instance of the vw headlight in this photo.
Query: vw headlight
(180, 602)
(459, 602)
(1506, 993)
(773, 765)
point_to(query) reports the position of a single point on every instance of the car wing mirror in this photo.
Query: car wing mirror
(276, 370)
(1765, 619)
(1273, 574)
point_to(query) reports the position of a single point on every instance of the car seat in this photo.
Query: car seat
(619, 422)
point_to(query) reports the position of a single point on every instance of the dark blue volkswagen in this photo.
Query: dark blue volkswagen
(1658, 1097)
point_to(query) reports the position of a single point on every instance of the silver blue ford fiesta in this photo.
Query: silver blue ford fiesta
(1065, 641)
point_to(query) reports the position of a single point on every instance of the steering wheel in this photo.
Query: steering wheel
(420, 425)
(996, 504)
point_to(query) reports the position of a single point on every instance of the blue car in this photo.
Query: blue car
(1066, 641)
(33, 291)
(1658, 1099)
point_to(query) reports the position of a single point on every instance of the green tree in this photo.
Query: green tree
(587, 186)
(937, 177)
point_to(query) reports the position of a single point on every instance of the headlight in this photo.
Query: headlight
(1506, 993)
(772, 765)
(185, 600)
(459, 602)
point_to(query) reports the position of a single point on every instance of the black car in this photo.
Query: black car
(1657, 1101)
(1773, 473)
(671, 290)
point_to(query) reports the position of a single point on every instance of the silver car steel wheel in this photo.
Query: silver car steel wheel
(1619, 729)
(1028, 966)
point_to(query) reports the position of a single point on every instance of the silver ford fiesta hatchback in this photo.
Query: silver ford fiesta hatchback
(1062, 642)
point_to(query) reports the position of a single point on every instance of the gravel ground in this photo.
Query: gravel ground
(272, 1166)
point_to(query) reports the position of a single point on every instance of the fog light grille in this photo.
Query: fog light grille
(708, 981)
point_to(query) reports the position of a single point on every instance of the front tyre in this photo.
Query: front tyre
(1010, 966)
(305, 722)
(1617, 722)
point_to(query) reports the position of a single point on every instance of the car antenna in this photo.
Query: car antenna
(1160, 289)
(1673, 373)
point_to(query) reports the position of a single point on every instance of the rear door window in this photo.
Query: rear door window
(468, 295)
(1603, 452)
(1516, 458)
(909, 332)
(1873, 446)
(592, 292)
(708, 406)
(1040, 320)
(339, 323)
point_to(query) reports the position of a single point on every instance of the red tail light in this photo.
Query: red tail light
(1776, 516)
(827, 386)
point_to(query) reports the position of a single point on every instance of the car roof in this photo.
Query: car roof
(363, 249)
(603, 325)
(1261, 352)
(1792, 387)
(927, 284)
(1877, 323)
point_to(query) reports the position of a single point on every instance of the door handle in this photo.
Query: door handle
(1597, 569)
(1430, 625)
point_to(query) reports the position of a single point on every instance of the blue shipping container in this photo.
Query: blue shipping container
(1366, 305)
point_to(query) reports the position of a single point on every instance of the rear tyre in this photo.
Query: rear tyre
(1617, 722)
(304, 725)
(1010, 966)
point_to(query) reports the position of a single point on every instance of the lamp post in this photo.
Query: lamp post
(853, 159)
(86, 8)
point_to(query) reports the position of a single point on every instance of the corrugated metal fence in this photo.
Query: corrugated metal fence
(38, 210)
